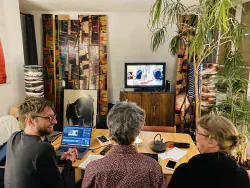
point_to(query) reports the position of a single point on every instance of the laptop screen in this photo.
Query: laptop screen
(76, 136)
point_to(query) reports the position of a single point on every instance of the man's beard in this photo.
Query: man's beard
(44, 132)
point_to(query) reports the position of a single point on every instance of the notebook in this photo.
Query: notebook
(75, 137)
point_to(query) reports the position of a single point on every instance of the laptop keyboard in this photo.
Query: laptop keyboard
(64, 149)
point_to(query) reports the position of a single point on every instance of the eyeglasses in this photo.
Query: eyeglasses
(49, 118)
(196, 133)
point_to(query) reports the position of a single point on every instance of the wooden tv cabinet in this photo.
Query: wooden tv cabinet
(159, 106)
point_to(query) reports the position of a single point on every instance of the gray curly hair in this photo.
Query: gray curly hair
(124, 121)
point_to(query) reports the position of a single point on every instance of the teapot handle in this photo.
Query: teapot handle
(156, 136)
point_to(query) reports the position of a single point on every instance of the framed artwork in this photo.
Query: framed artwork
(3, 75)
(80, 107)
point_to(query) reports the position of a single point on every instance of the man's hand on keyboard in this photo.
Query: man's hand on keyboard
(71, 154)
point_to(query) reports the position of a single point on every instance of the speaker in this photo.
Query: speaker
(168, 86)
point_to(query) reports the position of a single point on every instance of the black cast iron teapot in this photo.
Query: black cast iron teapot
(158, 145)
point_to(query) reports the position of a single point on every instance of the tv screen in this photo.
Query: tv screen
(139, 75)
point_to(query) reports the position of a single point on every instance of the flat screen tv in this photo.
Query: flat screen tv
(144, 75)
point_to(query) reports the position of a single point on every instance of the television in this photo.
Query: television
(145, 75)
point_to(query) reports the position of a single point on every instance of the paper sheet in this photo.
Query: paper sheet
(174, 154)
(89, 159)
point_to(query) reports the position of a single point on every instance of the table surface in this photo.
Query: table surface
(146, 137)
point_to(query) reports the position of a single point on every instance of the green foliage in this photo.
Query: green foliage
(156, 12)
(237, 32)
(235, 105)
(214, 15)
(158, 38)
(165, 12)
(174, 44)
(162, 15)
(214, 26)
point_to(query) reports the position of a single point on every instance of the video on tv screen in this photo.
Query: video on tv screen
(145, 75)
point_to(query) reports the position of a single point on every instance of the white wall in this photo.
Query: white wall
(129, 41)
(11, 93)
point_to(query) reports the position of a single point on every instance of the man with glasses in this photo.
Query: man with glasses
(31, 162)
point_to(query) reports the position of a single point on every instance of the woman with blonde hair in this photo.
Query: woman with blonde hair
(216, 139)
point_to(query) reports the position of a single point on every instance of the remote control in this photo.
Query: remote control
(106, 149)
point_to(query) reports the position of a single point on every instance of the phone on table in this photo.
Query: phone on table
(103, 140)
(171, 165)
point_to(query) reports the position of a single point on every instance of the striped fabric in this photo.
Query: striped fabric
(191, 84)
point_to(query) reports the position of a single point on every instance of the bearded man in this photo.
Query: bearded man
(31, 162)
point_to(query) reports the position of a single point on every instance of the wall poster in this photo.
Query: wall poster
(80, 107)
(3, 75)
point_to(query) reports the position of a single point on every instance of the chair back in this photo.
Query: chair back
(159, 129)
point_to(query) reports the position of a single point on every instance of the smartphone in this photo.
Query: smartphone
(103, 140)
(171, 164)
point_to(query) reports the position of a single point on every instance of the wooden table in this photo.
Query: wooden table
(146, 137)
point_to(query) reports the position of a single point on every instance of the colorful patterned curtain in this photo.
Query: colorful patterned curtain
(184, 108)
(75, 57)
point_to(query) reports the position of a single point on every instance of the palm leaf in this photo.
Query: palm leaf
(158, 38)
(155, 12)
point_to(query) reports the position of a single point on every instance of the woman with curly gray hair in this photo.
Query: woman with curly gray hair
(217, 139)
(124, 166)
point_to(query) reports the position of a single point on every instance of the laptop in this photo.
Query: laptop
(75, 137)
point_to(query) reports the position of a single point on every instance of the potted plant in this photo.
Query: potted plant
(215, 26)
(233, 101)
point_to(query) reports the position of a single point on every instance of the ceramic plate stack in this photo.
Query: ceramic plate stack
(33, 76)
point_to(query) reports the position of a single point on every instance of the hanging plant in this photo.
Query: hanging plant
(211, 16)
(215, 26)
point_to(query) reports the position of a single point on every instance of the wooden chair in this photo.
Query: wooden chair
(159, 129)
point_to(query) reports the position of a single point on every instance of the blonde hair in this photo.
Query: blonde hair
(222, 130)
(32, 106)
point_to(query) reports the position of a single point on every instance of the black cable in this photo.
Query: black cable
(95, 148)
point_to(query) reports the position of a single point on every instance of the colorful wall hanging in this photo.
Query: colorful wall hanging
(76, 54)
(185, 93)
